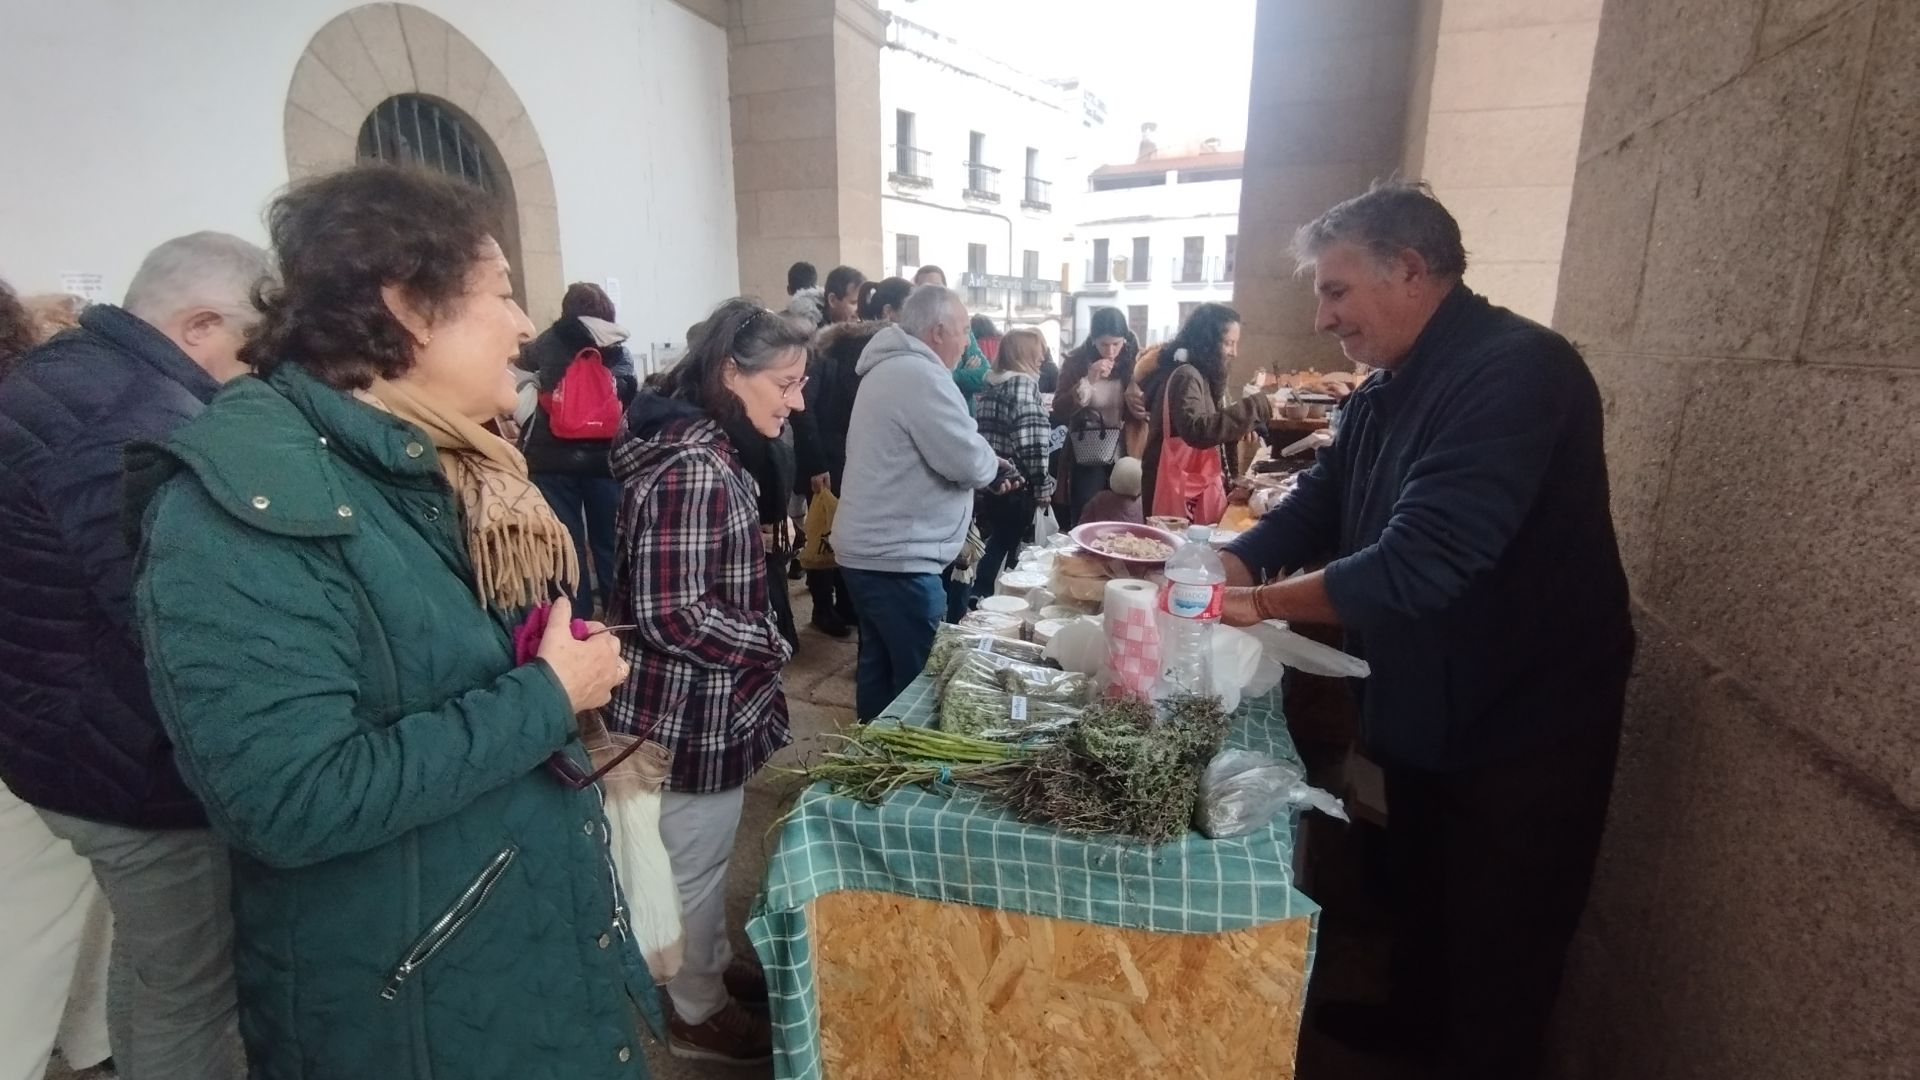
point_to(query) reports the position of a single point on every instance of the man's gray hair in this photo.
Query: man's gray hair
(1393, 216)
(929, 306)
(199, 270)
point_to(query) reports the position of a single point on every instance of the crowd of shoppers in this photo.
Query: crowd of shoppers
(288, 689)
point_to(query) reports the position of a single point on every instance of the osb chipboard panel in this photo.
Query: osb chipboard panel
(911, 987)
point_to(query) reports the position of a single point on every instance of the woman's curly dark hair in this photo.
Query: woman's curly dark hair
(1201, 336)
(17, 332)
(339, 238)
(740, 330)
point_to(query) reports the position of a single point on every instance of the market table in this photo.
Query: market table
(935, 934)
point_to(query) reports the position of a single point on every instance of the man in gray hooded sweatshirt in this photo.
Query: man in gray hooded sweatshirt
(914, 461)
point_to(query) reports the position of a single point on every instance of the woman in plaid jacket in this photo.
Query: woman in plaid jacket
(1013, 420)
(706, 650)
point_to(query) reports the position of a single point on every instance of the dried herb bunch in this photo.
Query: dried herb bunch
(1128, 767)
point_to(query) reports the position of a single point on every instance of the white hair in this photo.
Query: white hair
(199, 270)
(929, 306)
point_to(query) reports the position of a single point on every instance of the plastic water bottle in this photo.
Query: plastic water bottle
(1189, 610)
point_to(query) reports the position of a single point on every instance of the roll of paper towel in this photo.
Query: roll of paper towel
(1133, 635)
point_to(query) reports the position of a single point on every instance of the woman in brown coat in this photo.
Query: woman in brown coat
(1095, 392)
(1183, 388)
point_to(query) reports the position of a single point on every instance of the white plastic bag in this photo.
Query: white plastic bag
(630, 795)
(1043, 524)
(1236, 657)
(1306, 654)
(1080, 646)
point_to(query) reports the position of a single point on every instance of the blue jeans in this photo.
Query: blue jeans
(588, 506)
(898, 613)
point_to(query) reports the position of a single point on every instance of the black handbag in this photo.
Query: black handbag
(1092, 439)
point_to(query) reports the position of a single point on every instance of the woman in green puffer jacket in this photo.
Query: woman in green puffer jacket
(336, 554)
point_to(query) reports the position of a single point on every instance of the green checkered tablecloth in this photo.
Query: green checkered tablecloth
(949, 845)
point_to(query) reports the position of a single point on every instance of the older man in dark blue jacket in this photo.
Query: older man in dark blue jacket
(1462, 514)
(79, 738)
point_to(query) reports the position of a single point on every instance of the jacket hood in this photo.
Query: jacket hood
(809, 304)
(845, 341)
(890, 343)
(658, 425)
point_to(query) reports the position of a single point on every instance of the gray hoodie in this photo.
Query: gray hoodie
(914, 460)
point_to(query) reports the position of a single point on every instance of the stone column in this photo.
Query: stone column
(1330, 81)
(805, 83)
(1495, 128)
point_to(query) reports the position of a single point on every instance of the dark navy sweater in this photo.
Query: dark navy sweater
(1474, 565)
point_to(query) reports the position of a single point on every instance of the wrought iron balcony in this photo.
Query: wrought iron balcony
(983, 182)
(911, 166)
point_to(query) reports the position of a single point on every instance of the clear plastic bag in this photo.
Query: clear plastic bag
(1241, 791)
(995, 697)
(950, 640)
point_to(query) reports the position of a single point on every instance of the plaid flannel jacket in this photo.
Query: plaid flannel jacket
(1014, 422)
(692, 574)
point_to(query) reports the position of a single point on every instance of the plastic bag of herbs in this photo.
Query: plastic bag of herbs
(990, 696)
(950, 641)
(1129, 766)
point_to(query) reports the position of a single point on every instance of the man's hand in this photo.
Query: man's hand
(821, 482)
(1238, 609)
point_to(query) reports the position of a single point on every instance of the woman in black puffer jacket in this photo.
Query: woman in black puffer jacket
(573, 473)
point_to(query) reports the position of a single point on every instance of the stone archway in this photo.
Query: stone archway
(378, 51)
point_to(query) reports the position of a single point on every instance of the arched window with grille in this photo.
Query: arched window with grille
(425, 132)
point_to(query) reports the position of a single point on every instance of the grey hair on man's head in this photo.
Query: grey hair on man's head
(1393, 216)
(200, 270)
(929, 306)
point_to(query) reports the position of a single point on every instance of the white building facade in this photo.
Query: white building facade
(972, 157)
(1157, 238)
(602, 126)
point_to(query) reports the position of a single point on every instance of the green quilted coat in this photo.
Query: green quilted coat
(414, 894)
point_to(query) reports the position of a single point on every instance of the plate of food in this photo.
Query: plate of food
(1140, 545)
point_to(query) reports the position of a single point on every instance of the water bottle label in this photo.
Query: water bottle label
(1193, 601)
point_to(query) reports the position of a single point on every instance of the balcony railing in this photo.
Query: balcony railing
(911, 166)
(1211, 270)
(1039, 194)
(1099, 271)
(983, 182)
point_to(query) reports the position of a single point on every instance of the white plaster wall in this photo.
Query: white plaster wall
(128, 123)
(1014, 112)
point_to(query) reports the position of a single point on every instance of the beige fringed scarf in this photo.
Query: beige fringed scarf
(517, 545)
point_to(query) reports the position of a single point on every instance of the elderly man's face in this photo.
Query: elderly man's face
(1376, 311)
(948, 338)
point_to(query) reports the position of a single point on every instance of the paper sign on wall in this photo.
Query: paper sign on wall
(87, 286)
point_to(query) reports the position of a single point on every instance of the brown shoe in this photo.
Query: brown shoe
(747, 981)
(732, 1036)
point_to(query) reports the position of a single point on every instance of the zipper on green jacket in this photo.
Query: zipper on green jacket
(449, 924)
